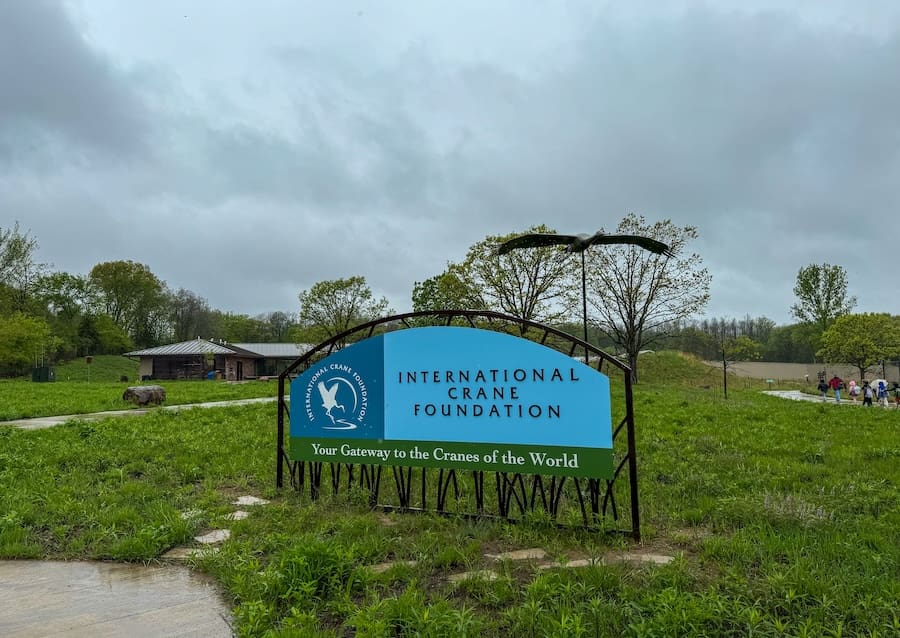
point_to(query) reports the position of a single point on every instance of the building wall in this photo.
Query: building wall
(145, 369)
(231, 368)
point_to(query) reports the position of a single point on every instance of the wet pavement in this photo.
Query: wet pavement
(797, 395)
(39, 423)
(80, 599)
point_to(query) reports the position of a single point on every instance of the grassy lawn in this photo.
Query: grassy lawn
(783, 517)
(72, 393)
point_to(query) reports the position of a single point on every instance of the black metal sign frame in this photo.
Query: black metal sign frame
(516, 496)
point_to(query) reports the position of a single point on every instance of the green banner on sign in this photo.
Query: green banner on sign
(524, 459)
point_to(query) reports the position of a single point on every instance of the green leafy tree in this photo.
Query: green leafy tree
(63, 299)
(19, 272)
(330, 307)
(190, 317)
(447, 291)
(278, 325)
(239, 328)
(821, 292)
(99, 334)
(24, 341)
(792, 344)
(861, 340)
(135, 299)
(529, 283)
(637, 294)
(66, 296)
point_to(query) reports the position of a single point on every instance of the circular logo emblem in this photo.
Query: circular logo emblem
(336, 398)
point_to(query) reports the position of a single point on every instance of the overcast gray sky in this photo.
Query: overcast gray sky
(246, 150)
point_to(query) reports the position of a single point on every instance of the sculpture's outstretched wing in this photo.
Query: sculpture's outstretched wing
(534, 240)
(647, 243)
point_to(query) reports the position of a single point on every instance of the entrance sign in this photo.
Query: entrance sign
(457, 398)
(462, 418)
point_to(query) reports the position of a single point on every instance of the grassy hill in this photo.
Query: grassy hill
(102, 368)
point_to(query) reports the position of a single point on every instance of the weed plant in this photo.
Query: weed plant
(783, 519)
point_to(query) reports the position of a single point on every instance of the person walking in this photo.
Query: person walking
(853, 389)
(823, 389)
(897, 394)
(836, 384)
(867, 393)
(882, 394)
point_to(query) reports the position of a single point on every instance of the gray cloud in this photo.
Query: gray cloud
(313, 144)
(56, 94)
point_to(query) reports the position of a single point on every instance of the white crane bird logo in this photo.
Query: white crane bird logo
(330, 402)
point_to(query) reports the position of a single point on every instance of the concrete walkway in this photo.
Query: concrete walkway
(94, 599)
(797, 395)
(81, 599)
(42, 422)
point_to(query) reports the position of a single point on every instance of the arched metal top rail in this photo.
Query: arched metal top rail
(488, 320)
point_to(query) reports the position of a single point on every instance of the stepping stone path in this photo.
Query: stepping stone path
(213, 537)
(537, 554)
(238, 515)
(571, 564)
(185, 553)
(521, 554)
(249, 500)
(480, 574)
(380, 568)
(629, 557)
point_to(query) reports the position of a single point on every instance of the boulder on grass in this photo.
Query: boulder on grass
(145, 394)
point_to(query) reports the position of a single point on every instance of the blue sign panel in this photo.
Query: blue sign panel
(461, 384)
(468, 397)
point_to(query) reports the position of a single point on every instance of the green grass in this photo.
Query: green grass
(102, 368)
(21, 399)
(783, 518)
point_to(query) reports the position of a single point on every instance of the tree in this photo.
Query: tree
(793, 344)
(191, 317)
(238, 328)
(638, 294)
(24, 341)
(741, 348)
(821, 293)
(135, 299)
(861, 340)
(447, 291)
(63, 299)
(66, 296)
(278, 325)
(530, 284)
(99, 334)
(18, 270)
(333, 306)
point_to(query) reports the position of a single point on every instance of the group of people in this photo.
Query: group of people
(878, 391)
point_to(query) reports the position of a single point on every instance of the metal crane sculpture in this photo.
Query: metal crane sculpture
(579, 244)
